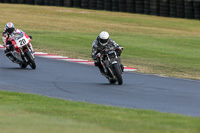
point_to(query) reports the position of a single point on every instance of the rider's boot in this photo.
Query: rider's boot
(105, 75)
(10, 56)
(102, 71)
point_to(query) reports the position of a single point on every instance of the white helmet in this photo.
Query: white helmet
(103, 38)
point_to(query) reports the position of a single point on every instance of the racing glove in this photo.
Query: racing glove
(98, 55)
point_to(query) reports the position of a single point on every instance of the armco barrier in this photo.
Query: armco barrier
(77, 3)
(46, 2)
(168, 8)
(147, 7)
(172, 8)
(115, 5)
(130, 6)
(93, 4)
(154, 7)
(68, 3)
(13, 1)
(85, 4)
(100, 4)
(180, 9)
(39, 2)
(139, 6)
(108, 5)
(59, 3)
(122, 5)
(164, 8)
(7, 1)
(52, 2)
(189, 9)
(21, 1)
(196, 4)
(31, 2)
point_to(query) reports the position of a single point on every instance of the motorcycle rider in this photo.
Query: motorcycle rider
(7, 33)
(99, 44)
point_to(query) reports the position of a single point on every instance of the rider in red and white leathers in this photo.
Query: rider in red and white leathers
(9, 30)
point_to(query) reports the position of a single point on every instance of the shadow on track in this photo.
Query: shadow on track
(15, 68)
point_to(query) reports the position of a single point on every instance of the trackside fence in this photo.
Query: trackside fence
(168, 8)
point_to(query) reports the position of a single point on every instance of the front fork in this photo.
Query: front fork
(108, 69)
(23, 50)
(30, 47)
(22, 54)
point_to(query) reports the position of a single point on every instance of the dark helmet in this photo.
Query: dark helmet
(9, 27)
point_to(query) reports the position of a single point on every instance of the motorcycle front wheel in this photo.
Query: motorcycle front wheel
(30, 59)
(118, 73)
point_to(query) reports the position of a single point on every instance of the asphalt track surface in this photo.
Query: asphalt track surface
(79, 82)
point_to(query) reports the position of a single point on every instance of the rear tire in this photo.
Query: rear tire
(118, 73)
(30, 59)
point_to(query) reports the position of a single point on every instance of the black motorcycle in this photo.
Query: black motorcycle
(111, 65)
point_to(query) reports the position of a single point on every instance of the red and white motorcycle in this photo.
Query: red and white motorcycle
(22, 52)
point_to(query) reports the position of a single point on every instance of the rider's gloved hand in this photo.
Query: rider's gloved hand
(98, 55)
(121, 48)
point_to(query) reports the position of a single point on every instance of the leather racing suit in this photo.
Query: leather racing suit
(8, 44)
(97, 48)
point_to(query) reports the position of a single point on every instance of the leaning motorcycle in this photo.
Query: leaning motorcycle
(22, 50)
(111, 65)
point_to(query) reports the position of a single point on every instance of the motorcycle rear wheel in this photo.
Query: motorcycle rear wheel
(118, 73)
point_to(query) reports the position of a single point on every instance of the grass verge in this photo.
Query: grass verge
(22, 113)
(152, 44)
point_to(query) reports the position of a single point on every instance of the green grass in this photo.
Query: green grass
(152, 44)
(158, 45)
(28, 113)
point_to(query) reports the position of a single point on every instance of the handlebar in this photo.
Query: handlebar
(108, 49)
(30, 36)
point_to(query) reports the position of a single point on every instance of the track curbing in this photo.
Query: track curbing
(81, 61)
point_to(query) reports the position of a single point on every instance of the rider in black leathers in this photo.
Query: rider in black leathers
(99, 44)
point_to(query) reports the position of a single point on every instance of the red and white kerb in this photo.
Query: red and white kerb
(57, 57)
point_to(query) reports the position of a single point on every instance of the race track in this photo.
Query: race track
(79, 82)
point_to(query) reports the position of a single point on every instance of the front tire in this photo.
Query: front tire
(30, 59)
(118, 73)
